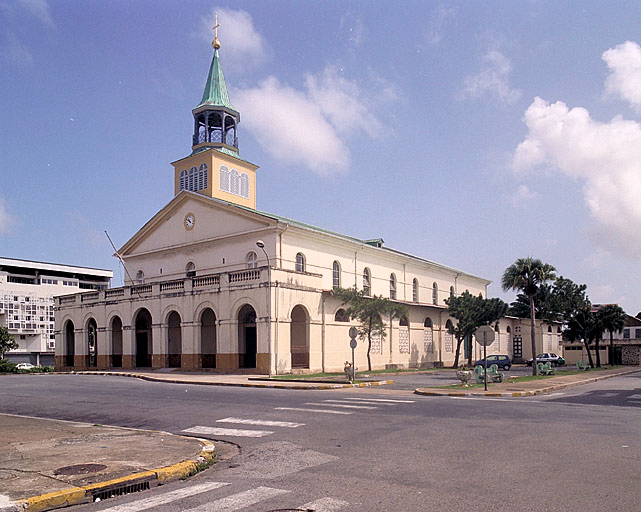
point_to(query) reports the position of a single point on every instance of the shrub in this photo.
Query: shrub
(7, 366)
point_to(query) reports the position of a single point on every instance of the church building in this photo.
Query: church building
(214, 283)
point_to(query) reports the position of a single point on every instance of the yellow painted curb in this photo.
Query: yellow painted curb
(83, 494)
(57, 499)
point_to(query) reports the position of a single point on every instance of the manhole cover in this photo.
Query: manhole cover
(80, 469)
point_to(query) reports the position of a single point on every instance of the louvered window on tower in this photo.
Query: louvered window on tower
(235, 182)
(224, 178)
(183, 181)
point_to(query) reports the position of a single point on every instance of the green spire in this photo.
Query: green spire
(215, 93)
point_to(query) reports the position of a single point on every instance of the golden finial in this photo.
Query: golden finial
(216, 43)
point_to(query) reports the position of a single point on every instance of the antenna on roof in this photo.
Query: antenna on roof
(119, 258)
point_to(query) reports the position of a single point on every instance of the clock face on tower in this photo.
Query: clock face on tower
(190, 220)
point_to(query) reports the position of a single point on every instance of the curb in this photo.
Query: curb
(85, 494)
(233, 384)
(514, 394)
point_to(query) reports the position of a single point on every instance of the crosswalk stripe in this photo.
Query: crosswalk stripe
(382, 400)
(302, 409)
(239, 500)
(165, 498)
(265, 423)
(361, 402)
(342, 406)
(324, 505)
(232, 432)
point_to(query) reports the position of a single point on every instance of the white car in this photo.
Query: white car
(24, 366)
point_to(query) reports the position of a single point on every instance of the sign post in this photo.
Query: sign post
(353, 332)
(484, 337)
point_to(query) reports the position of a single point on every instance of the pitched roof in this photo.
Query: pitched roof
(215, 93)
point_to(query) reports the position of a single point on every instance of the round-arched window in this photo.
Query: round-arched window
(300, 262)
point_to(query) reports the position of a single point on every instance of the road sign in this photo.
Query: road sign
(484, 335)
(353, 332)
(352, 343)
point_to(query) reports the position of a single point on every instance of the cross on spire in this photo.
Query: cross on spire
(216, 43)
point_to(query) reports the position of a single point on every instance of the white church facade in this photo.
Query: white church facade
(214, 283)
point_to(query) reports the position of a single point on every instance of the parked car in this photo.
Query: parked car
(502, 361)
(24, 366)
(547, 357)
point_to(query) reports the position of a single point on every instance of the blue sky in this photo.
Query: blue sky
(468, 133)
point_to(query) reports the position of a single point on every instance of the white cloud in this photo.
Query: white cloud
(310, 126)
(353, 28)
(437, 24)
(6, 220)
(492, 80)
(624, 80)
(341, 102)
(244, 47)
(522, 195)
(606, 157)
(291, 127)
(15, 16)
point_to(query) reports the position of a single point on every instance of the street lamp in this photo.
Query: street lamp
(260, 244)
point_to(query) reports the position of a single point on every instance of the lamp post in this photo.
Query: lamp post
(261, 245)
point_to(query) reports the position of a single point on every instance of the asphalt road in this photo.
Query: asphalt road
(369, 449)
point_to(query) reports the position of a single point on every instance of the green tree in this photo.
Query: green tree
(6, 342)
(471, 312)
(527, 275)
(369, 311)
(612, 318)
(575, 310)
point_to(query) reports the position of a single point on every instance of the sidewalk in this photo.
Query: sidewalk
(227, 379)
(46, 464)
(532, 387)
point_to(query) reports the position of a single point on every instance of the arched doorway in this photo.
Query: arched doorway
(116, 342)
(143, 339)
(92, 343)
(428, 336)
(70, 343)
(299, 338)
(247, 337)
(208, 339)
(174, 340)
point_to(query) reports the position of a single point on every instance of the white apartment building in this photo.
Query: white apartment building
(27, 291)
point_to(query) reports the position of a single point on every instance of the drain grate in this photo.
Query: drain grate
(80, 469)
(112, 492)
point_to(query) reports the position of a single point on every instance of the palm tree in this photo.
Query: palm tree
(612, 319)
(527, 275)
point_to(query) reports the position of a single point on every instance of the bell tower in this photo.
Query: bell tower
(214, 167)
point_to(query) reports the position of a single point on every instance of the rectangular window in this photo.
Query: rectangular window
(626, 334)
(637, 333)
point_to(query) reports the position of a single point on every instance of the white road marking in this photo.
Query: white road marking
(265, 423)
(342, 406)
(346, 401)
(325, 411)
(165, 498)
(232, 432)
(383, 400)
(325, 505)
(634, 397)
(239, 500)
(608, 395)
